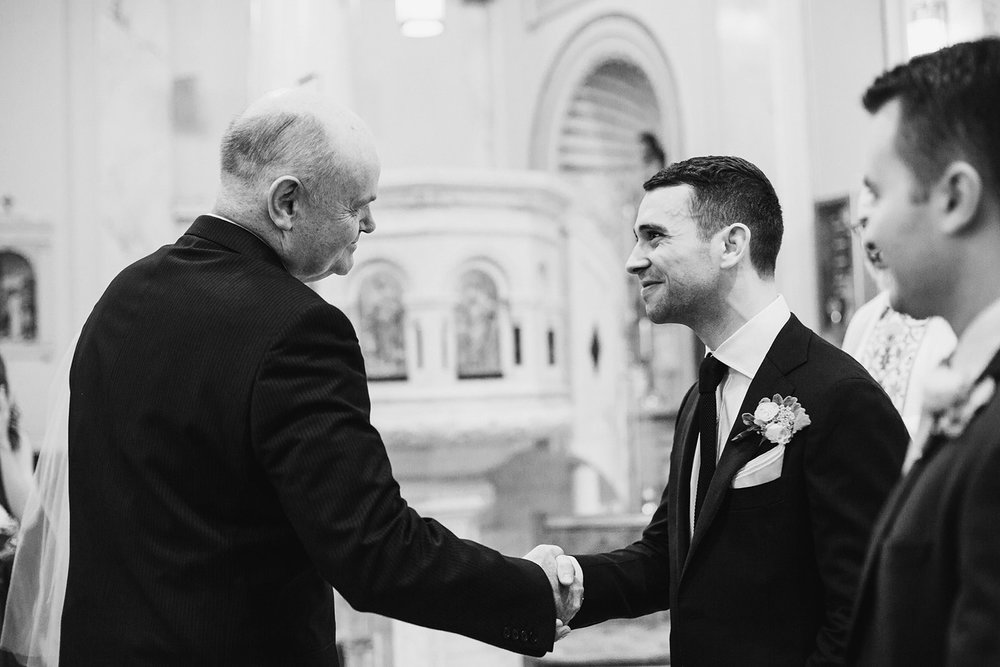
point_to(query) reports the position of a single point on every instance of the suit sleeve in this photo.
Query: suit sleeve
(312, 435)
(974, 629)
(629, 582)
(849, 475)
(633, 581)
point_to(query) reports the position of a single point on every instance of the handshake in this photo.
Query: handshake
(566, 577)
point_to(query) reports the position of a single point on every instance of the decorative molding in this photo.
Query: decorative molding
(538, 193)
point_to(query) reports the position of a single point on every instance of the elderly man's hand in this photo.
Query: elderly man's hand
(566, 577)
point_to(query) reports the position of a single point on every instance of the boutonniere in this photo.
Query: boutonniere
(776, 419)
(953, 401)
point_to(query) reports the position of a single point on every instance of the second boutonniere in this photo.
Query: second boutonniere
(953, 401)
(776, 419)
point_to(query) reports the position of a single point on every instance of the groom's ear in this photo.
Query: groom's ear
(283, 201)
(735, 245)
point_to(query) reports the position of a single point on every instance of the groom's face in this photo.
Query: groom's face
(678, 275)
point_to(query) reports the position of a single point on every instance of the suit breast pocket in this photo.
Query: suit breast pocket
(761, 495)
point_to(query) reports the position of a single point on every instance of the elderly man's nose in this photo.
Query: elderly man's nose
(368, 222)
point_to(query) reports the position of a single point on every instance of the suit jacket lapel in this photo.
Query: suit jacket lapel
(788, 351)
(891, 510)
(685, 438)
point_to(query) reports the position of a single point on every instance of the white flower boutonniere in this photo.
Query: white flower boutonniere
(776, 419)
(953, 401)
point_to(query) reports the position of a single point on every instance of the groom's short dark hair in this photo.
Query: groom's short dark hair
(949, 109)
(728, 190)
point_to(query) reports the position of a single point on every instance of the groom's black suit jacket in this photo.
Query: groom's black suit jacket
(930, 588)
(223, 475)
(768, 578)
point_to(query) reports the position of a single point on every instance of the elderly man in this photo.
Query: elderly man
(930, 592)
(783, 452)
(223, 470)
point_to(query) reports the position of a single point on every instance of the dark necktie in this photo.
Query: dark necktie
(710, 374)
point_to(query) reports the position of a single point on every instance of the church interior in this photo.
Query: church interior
(521, 392)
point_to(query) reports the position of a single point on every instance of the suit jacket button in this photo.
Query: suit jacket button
(532, 638)
(524, 635)
(506, 633)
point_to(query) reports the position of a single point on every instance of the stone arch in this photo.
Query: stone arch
(614, 41)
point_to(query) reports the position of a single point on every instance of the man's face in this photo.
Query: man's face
(333, 216)
(679, 275)
(896, 222)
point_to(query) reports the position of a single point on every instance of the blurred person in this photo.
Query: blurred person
(15, 452)
(930, 588)
(223, 471)
(15, 484)
(783, 452)
(898, 350)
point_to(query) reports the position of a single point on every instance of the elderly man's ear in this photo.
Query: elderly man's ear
(283, 201)
(735, 241)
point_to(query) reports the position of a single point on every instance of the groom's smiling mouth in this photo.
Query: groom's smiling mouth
(647, 284)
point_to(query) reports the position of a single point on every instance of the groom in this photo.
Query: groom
(930, 591)
(223, 472)
(758, 540)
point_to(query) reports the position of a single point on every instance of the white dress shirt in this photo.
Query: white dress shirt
(743, 352)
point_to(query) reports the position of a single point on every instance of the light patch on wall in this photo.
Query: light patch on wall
(186, 112)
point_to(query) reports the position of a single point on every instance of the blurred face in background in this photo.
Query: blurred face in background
(897, 224)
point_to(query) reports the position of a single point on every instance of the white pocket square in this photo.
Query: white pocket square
(765, 468)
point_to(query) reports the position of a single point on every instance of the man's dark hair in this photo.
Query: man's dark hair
(949, 109)
(728, 190)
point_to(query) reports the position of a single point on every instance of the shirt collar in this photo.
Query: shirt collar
(745, 349)
(978, 343)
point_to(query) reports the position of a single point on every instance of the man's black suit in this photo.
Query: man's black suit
(768, 577)
(930, 588)
(223, 475)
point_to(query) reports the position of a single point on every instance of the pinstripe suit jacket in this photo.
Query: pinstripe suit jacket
(224, 474)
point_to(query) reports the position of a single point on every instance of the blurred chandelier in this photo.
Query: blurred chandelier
(926, 26)
(420, 18)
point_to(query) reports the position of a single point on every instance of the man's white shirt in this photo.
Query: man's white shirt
(743, 352)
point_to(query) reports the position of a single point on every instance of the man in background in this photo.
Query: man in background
(930, 590)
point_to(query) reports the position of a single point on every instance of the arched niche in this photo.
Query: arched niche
(612, 53)
(479, 319)
(380, 304)
(18, 299)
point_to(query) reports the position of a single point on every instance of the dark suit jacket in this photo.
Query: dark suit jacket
(768, 577)
(930, 589)
(224, 474)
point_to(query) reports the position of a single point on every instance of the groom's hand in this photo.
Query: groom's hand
(566, 577)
